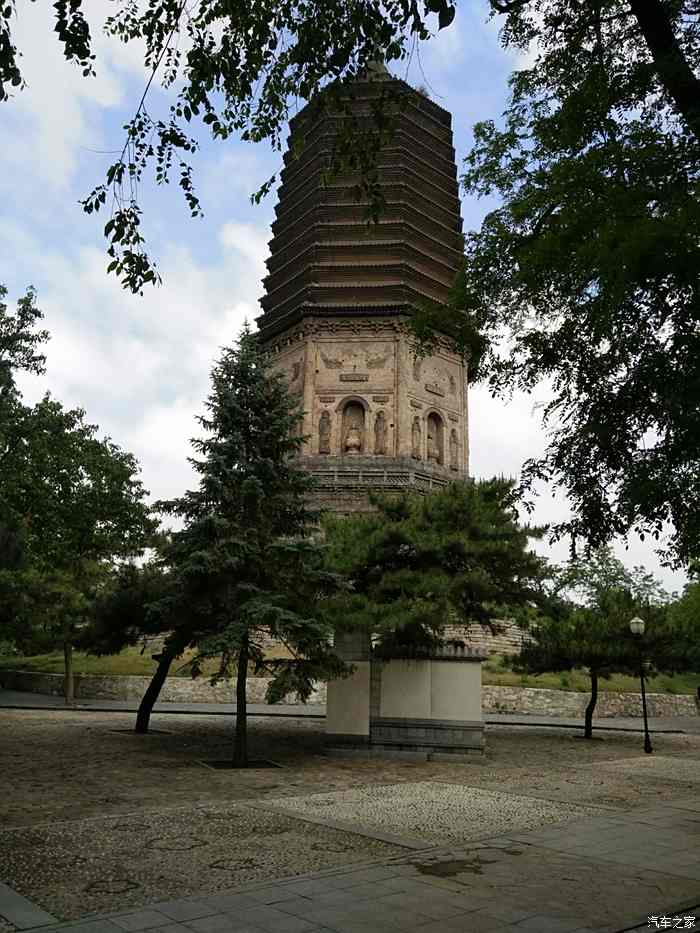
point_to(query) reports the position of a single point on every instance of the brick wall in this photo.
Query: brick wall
(508, 641)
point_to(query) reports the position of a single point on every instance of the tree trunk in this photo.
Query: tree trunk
(588, 731)
(672, 67)
(68, 680)
(143, 717)
(240, 747)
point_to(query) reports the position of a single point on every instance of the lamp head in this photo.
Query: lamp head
(637, 626)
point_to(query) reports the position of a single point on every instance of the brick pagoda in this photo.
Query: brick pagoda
(339, 291)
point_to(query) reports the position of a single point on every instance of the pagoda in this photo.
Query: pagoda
(340, 289)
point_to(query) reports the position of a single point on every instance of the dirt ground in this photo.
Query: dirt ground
(94, 817)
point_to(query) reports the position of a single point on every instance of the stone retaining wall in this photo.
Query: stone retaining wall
(125, 687)
(569, 703)
(494, 699)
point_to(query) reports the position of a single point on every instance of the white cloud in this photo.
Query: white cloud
(140, 366)
(250, 242)
(57, 98)
(503, 434)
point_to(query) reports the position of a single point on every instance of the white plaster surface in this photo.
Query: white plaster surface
(433, 811)
(455, 690)
(405, 690)
(347, 703)
(431, 690)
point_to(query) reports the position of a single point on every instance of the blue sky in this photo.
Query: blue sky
(140, 366)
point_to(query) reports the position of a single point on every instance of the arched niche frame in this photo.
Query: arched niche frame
(435, 437)
(352, 412)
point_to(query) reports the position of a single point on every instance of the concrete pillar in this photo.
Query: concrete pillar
(348, 699)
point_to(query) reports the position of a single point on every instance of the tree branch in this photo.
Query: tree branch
(675, 73)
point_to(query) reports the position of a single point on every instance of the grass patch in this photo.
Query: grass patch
(580, 681)
(130, 661)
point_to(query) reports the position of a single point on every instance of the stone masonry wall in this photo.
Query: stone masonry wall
(570, 703)
(494, 699)
(124, 687)
(507, 641)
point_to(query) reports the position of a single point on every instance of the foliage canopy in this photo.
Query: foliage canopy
(586, 275)
(244, 563)
(420, 562)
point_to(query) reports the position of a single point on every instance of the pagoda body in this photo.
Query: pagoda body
(339, 292)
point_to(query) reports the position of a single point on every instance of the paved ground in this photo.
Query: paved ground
(547, 833)
(594, 875)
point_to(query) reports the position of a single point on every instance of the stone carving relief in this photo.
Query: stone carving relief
(415, 439)
(324, 433)
(376, 360)
(435, 388)
(380, 434)
(331, 362)
(357, 358)
(436, 378)
(353, 432)
(435, 438)
(454, 450)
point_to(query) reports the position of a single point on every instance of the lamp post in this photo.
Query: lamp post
(637, 629)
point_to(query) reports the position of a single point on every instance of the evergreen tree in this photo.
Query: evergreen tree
(457, 555)
(245, 562)
(593, 632)
(137, 604)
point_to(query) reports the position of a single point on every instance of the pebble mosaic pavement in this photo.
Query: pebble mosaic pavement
(433, 811)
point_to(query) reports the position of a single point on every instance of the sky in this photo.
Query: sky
(140, 366)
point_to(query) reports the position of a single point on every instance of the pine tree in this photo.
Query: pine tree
(419, 563)
(245, 561)
(593, 632)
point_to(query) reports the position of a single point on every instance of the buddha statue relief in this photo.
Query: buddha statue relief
(353, 428)
(353, 440)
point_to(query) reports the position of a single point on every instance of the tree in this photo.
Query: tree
(592, 632)
(417, 563)
(20, 343)
(70, 503)
(589, 266)
(138, 604)
(683, 643)
(82, 506)
(237, 67)
(244, 562)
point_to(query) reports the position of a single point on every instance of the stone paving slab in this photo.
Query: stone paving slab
(21, 913)
(531, 882)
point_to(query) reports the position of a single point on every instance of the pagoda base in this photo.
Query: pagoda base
(420, 709)
(344, 484)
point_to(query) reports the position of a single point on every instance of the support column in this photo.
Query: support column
(348, 699)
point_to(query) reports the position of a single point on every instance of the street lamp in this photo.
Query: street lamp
(637, 629)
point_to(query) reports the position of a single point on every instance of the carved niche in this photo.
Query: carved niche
(435, 438)
(353, 428)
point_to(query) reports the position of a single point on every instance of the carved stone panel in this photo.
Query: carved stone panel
(324, 433)
(355, 361)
